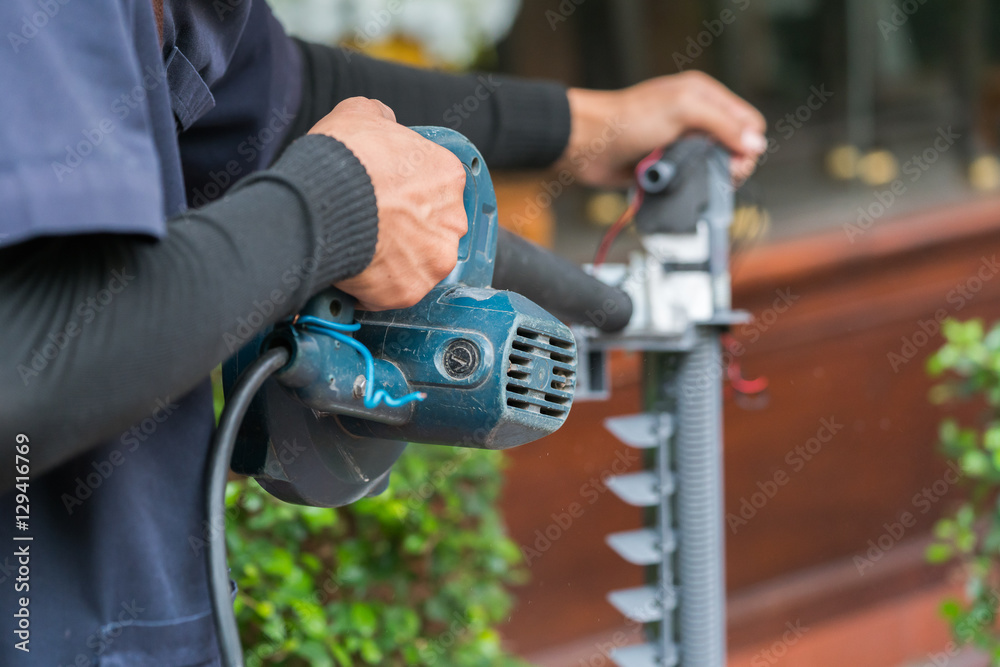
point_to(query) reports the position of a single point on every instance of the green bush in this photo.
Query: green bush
(971, 536)
(415, 576)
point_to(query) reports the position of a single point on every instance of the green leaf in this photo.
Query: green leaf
(951, 609)
(313, 582)
(363, 619)
(370, 652)
(316, 654)
(991, 439)
(976, 463)
(939, 553)
(945, 529)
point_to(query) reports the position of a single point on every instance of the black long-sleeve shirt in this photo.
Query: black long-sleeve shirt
(189, 292)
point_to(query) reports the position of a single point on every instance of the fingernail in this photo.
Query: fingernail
(754, 142)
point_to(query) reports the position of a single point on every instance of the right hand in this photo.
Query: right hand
(418, 190)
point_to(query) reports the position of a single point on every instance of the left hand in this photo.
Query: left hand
(613, 130)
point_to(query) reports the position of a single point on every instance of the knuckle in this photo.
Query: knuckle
(459, 224)
(686, 98)
(444, 263)
(454, 170)
(699, 78)
(360, 104)
(412, 295)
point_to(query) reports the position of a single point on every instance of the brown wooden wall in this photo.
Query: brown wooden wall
(826, 357)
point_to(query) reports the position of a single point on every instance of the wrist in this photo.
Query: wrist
(593, 117)
(342, 209)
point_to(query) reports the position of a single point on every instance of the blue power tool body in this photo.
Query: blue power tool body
(468, 366)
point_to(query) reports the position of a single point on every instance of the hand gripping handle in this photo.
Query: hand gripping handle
(478, 248)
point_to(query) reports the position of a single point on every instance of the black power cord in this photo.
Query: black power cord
(218, 472)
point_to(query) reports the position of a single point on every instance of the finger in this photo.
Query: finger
(742, 168)
(730, 101)
(753, 121)
(738, 107)
(700, 112)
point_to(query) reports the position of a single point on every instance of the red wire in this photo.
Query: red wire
(733, 371)
(735, 374)
(616, 229)
(633, 208)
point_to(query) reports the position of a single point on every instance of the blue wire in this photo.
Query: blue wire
(337, 331)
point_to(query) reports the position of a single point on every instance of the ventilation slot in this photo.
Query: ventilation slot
(541, 375)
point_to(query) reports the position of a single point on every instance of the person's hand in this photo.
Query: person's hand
(613, 130)
(418, 190)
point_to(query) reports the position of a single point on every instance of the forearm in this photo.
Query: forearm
(514, 123)
(98, 329)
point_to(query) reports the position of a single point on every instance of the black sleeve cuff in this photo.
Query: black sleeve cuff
(533, 123)
(340, 198)
(516, 123)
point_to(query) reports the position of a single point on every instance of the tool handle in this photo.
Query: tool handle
(558, 285)
(477, 249)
